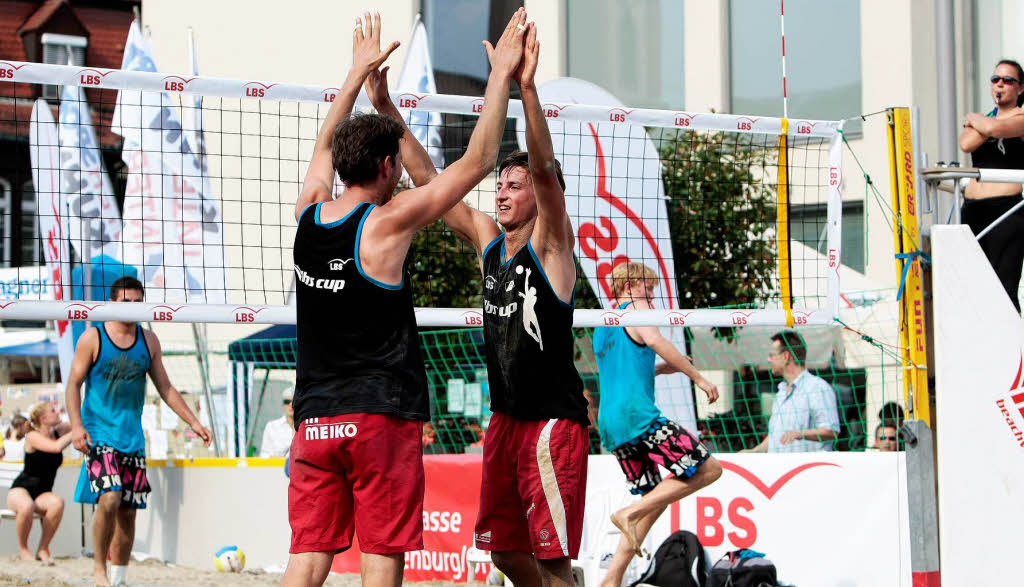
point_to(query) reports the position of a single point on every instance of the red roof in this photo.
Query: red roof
(41, 16)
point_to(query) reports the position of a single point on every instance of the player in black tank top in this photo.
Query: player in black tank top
(356, 459)
(529, 340)
(349, 359)
(535, 449)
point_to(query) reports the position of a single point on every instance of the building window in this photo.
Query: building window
(62, 50)
(808, 225)
(454, 31)
(823, 72)
(5, 222)
(632, 49)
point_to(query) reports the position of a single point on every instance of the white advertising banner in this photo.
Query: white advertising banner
(824, 519)
(616, 201)
(94, 222)
(172, 229)
(26, 283)
(43, 150)
(979, 400)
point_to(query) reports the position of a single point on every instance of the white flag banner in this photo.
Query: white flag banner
(44, 153)
(617, 215)
(415, 80)
(94, 222)
(172, 228)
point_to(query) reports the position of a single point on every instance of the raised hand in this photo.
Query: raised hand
(528, 65)
(366, 53)
(506, 54)
(377, 88)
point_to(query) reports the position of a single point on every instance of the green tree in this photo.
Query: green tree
(721, 212)
(444, 270)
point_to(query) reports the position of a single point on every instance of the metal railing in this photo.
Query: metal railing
(954, 180)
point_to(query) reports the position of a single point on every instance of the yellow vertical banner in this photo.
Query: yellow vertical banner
(782, 225)
(908, 264)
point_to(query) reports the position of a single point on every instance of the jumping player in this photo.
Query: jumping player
(361, 390)
(535, 455)
(113, 360)
(633, 428)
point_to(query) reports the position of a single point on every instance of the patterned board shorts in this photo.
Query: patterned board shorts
(664, 443)
(112, 470)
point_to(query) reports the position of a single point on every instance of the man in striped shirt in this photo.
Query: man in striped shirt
(804, 415)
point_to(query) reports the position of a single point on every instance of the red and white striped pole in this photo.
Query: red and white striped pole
(782, 24)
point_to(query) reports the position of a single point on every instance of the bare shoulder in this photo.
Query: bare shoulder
(152, 340)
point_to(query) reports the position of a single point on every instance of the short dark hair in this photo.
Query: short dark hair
(1020, 76)
(360, 143)
(794, 343)
(522, 159)
(125, 282)
(891, 412)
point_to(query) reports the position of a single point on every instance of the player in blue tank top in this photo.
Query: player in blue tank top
(113, 360)
(630, 423)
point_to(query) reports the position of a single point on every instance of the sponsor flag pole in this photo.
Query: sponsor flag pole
(417, 76)
(198, 331)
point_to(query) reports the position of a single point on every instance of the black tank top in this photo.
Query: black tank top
(1007, 153)
(358, 347)
(528, 337)
(39, 472)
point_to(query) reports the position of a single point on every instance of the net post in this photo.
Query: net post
(909, 269)
(782, 224)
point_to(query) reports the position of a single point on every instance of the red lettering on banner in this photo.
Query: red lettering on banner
(162, 316)
(709, 528)
(610, 318)
(908, 174)
(246, 317)
(552, 110)
(590, 236)
(742, 522)
(618, 115)
(330, 94)
(677, 318)
(803, 127)
(833, 177)
(478, 106)
(684, 118)
(174, 86)
(745, 123)
(473, 318)
(89, 80)
(6, 73)
(78, 314)
(409, 100)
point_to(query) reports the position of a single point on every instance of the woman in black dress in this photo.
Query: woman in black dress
(32, 490)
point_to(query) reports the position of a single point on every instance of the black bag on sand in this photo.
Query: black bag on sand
(678, 562)
(743, 568)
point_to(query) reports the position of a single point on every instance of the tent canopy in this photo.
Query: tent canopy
(42, 348)
(270, 348)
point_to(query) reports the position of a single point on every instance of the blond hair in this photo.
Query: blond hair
(632, 273)
(35, 415)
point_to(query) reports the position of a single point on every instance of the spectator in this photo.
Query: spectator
(429, 434)
(887, 437)
(14, 440)
(277, 435)
(994, 141)
(804, 414)
(32, 491)
(891, 412)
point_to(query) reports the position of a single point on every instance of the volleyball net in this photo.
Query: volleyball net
(189, 183)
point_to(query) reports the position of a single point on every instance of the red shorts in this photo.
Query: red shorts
(534, 487)
(361, 472)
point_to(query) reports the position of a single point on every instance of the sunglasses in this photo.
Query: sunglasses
(1005, 79)
(886, 438)
(287, 401)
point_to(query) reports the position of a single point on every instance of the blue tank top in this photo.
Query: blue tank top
(115, 391)
(626, 375)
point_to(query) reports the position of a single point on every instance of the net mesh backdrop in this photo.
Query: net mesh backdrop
(190, 184)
